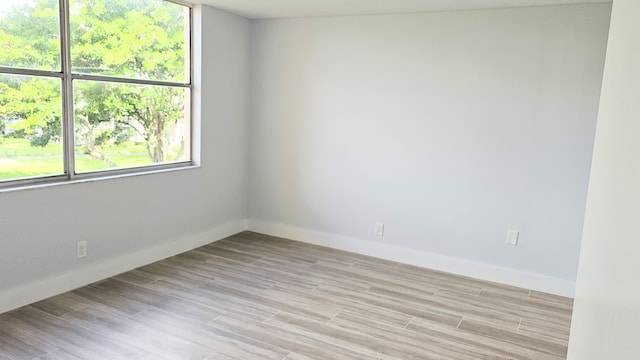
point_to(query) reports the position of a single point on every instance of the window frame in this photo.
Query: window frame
(67, 77)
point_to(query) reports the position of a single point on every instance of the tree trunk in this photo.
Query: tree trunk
(90, 143)
(158, 152)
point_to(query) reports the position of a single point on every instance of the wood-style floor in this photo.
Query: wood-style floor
(252, 296)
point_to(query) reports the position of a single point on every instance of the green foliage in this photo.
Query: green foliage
(30, 36)
(141, 39)
(37, 101)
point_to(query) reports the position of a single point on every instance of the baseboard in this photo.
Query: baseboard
(41, 289)
(429, 260)
(57, 284)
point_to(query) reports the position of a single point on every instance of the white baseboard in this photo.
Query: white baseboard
(57, 284)
(423, 259)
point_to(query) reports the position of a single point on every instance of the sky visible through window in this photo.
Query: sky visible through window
(6, 5)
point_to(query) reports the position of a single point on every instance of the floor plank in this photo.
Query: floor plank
(253, 296)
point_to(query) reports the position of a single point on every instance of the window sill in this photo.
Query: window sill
(88, 178)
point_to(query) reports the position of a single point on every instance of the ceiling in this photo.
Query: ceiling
(263, 9)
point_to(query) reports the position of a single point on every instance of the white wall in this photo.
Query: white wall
(606, 314)
(450, 127)
(135, 220)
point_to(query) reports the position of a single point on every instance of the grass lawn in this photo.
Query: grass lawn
(18, 159)
(22, 147)
(28, 167)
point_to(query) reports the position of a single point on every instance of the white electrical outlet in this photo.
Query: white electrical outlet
(512, 237)
(82, 249)
(379, 229)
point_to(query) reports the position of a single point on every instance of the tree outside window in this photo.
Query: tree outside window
(116, 72)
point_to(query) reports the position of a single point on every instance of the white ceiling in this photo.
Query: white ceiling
(261, 9)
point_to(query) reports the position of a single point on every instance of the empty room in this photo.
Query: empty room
(313, 179)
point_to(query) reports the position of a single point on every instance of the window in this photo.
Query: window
(93, 87)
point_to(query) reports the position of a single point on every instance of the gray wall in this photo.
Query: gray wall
(449, 127)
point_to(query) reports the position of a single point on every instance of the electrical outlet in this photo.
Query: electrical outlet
(512, 237)
(82, 249)
(379, 229)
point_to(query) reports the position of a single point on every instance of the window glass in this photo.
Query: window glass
(30, 127)
(123, 102)
(30, 34)
(127, 125)
(142, 39)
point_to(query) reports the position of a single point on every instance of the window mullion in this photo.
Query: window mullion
(67, 91)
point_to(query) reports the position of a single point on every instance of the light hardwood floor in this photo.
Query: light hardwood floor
(253, 296)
